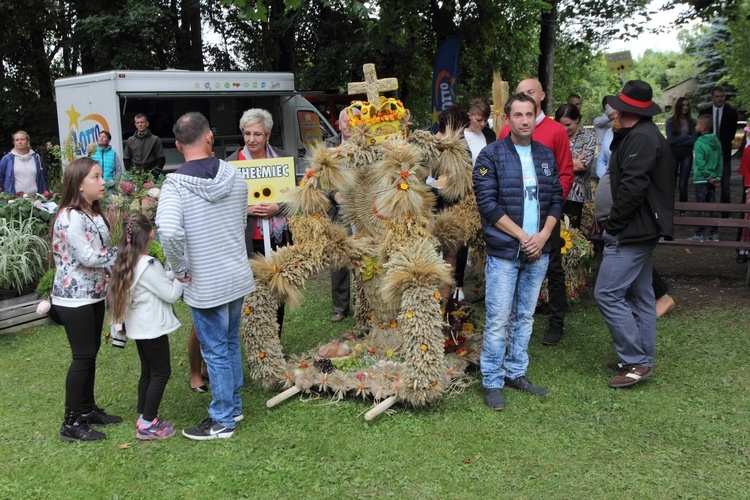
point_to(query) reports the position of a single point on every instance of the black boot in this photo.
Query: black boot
(75, 429)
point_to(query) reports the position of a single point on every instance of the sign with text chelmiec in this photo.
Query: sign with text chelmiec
(620, 62)
(267, 180)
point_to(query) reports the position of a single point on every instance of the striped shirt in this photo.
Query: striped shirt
(201, 224)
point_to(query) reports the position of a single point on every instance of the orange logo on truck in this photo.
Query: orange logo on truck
(84, 130)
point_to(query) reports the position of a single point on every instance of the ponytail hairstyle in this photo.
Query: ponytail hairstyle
(134, 242)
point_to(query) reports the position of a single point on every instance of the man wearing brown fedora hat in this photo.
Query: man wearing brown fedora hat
(642, 189)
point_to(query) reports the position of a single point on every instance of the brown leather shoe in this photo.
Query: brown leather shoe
(337, 317)
(630, 375)
(615, 365)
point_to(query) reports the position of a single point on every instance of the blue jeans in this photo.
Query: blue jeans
(512, 291)
(705, 192)
(218, 330)
(626, 300)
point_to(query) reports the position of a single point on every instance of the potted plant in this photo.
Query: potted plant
(23, 255)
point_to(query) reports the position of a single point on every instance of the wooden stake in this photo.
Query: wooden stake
(500, 95)
(381, 407)
(280, 398)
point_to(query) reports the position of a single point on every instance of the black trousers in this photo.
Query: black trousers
(83, 327)
(558, 296)
(340, 290)
(658, 284)
(726, 190)
(155, 372)
(462, 256)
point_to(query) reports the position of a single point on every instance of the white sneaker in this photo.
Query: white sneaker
(713, 237)
(696, 237)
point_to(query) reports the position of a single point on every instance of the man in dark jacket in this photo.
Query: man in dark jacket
(642, 188)
(143, 150)
(724, 119)
(520, 200)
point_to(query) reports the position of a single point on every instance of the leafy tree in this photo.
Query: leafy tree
(27, 49)
(664, 69)
(737, 54)
(48, 39)
(592, 21)
(713, 70)
(583, 71)
(334, 40)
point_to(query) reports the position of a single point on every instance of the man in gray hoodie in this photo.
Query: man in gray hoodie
(201, 218)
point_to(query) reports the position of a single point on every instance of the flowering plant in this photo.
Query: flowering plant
(131, 194)
(576, 258)
(40, 208)
(458, 325)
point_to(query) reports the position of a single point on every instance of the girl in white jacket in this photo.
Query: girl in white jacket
(141, 301)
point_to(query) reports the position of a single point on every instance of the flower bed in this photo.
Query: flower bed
(134, 193)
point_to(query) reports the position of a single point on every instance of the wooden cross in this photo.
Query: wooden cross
(372, 86)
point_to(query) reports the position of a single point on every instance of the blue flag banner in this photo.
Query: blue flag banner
(444, 78)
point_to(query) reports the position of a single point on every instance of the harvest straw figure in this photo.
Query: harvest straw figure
(395, 260)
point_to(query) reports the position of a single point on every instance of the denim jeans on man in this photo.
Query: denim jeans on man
(626, 299)
(512, 291)
(705, 192)
(218, 330)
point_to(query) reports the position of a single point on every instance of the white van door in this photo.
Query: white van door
(311, 127)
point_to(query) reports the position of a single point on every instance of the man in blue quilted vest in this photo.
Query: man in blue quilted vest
(520, 200)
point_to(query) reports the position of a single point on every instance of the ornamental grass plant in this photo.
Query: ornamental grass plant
(23, 253)
(682, 433)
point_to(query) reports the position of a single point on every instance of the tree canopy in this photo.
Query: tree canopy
(326, 42)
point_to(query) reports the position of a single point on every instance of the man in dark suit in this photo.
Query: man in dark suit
(725, 127)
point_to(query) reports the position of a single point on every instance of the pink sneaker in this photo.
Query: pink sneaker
(159, 429)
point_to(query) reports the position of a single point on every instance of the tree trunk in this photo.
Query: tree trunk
(189, 37)
(283, 29)
(547, 53)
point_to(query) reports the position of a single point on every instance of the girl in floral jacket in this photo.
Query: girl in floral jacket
(83, 256)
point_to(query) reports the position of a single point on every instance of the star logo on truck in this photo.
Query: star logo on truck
(73, 115)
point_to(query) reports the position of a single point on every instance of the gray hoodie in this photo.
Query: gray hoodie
(201, 218)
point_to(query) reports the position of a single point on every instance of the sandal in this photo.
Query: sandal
(200, 389)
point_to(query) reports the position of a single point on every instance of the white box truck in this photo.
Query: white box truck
(88, 104)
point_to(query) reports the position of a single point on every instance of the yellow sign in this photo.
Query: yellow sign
(267, 180)
(620, 62)
(309, 127)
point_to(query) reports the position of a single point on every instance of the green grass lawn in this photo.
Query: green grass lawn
(683, 433)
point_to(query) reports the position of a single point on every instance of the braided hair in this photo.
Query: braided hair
(134, 242)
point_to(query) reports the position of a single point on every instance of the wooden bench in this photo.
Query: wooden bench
(19, 313)
(709, 222)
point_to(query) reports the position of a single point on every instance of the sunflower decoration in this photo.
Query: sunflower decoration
(576, 257)
(566, 242)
